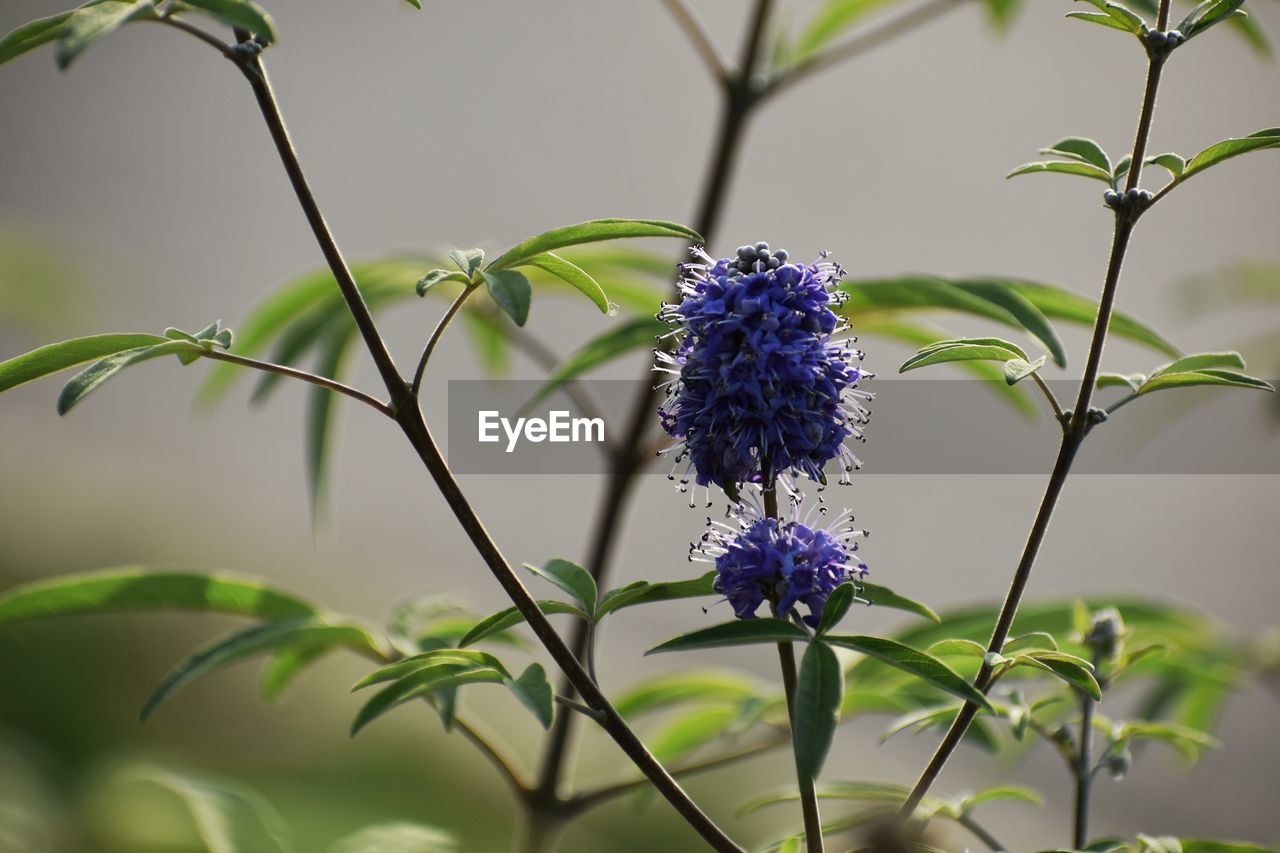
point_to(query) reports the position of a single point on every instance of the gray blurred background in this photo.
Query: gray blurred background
(144, 177)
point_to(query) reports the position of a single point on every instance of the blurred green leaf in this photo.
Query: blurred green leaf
(434, 277)
(737, 633)
(1002, 793)
(512, 291)
(90, 23)
(914, 661)
(322, 409)
(819, 690)
(939, 716)
(229, 816)
(571, 578)
(668, 689)
(589, 232)
(690, 731)
(831, 20)
(396, 837)
(53, 358)
(243, 14)
(133, 588)
(880, 596)
(258, 639)
(30, 36)
(615, 342)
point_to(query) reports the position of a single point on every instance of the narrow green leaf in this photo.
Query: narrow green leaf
(1082, 149)
(819, 690)
(690, 731)
(1172, 163)
(1072, 673)
(958, 646)
(243, 14)
(571, 578)
(881, 596)
(504, 619)
(1207, 14)
(434, 277)
(1123, 15)
(915, 662)
(1115, 380)
(1017, 369)
(995, 350)
(665, 591)
(1200, 361)
(1100, 18)
(836, 606)
(738, 633)
(397, 836)
(53, 358)
(132, 588)
(287, 664)
(1063, 167)
(1208, 376)
(1228, 148)
(534, 692)
(831, 19)
(30, 36)
(99, 372)
(229, 817)
(572, 274)
(1204, 845)
(421, 683)
(489, 340)
(669, 689)
(512, 292)
(978, 733)
(1023, 311)
(90, 23)
(1031, 640)
(1002, 793)
(322, 410)
(1061, 304)
(590, 232)
(447, 658)
(257, 639)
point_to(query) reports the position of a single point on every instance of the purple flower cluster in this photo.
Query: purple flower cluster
(762, 389)
(783, 562)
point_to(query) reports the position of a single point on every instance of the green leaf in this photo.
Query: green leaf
(1031, 640)
(512, 292)
(1063, 167)
(1100, 18)
(831, 19)
(881, 596)
(819, 690)
(90, 23)
(243, 14)
(1002, 793)
(914, 661)
(871, 792)
(132, 588)
(421, 682)
(30, 36)
(572, 274)
(1204, 845)
(489, 340)
(229, 817)
(99, 372)
(434, 277)
(1200, 361)
(1022, 310)
(396, 837)
(958, 646)
(1115, 380)
(1123, 15)
(1070, 669)
(504, 619)
(964, 349)
(571, 578)
(664, 591)
(468, 260)
(1186, 740)
(457, 658)
(257, 639)
(322, 407)
(738, 633)
(287, 665)
(1081, 149)
(1208, 376)
(534, 692)
(53, 358)
(1172, 163)
(836, 606)
(691, 731)
(1061, 304)
(617, 341)
(1017, 369)
(669, 689)
(590, 232)
(1207, 14)
(940, 716)
(1228, 148)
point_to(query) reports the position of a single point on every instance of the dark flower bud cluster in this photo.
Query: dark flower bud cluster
(761, 386)
(1161, 41)
(786, 563)
(1106, 634)
(1129, 201)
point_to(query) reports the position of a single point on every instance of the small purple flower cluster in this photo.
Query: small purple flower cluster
(762, 389)
(783, 562)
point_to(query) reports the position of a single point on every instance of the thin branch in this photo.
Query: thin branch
(575, 705)
(1072, 437)
(981, 833)
(191, 29)
(699, 37)
(1083, 769)
(590, 799)
(1049, 395)
(436, 335)
(483, 742)
(293, 373)
(862, 42)
(1123, 401)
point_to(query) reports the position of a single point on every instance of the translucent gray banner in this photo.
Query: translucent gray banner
(918, 426)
